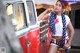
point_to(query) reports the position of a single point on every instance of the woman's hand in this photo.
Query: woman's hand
(50, 10)
(67, 45)
(45, 15)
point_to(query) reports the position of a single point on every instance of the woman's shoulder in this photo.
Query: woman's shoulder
(66, 16)
(67, 19)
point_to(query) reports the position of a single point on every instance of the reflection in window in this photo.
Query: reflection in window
(31, 12)
(17, 15)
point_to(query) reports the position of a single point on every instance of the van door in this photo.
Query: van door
(24, 20)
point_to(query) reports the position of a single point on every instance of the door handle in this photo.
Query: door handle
(28, 44)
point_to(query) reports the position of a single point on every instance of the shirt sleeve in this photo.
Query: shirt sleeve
(67, 19)
(49, 14)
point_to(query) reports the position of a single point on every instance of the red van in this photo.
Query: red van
(32, 34)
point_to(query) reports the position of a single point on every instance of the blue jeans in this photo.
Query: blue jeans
(67, 50)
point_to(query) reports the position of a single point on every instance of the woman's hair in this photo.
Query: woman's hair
(65, 5)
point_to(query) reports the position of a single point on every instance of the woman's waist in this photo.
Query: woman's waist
(58, 34)
(57, 37)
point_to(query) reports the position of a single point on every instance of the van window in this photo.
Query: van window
(17, 13)
(31, 11)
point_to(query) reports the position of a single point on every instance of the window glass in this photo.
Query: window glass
(17, 13)
(31, 11)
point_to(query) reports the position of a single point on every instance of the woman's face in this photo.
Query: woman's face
(58, 7)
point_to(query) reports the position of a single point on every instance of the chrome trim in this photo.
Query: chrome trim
(44, 30)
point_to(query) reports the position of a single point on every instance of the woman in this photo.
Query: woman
(58, 24)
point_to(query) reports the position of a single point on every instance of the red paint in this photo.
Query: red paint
(36, 46)
(34, 38)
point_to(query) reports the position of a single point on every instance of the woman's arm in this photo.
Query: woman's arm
(71, 30)
(44, 15)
